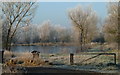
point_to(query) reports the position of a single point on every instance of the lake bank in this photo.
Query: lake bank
(48, 44)
(53, 47)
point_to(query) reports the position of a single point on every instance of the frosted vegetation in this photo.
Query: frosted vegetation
(84, 33)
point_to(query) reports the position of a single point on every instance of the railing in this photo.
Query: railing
(72, 58)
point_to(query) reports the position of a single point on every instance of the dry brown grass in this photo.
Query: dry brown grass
(22, 59)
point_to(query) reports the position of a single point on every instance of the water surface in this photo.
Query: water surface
(46, 49)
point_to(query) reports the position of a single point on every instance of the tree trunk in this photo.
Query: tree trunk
(8, 38)
(81, 40)
(119, 32)
(85, 38)
(9, 47)
(8, 44)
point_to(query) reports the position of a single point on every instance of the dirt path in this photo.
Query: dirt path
(51, 70)
(63, 71)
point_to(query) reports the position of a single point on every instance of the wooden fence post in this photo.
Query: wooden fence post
(71, 58)
(1, 56)
(115, 58)
(35, 54)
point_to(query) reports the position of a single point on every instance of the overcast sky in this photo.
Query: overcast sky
(57, 12)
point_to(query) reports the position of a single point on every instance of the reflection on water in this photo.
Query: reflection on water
(46, 49)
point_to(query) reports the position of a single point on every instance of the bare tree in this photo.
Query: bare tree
(112, 26)
(49, 32)
(16, 14)
(84, 20)
(111, 23)
(44, 30)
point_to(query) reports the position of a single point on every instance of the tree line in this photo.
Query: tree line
(17, 28)
(43, 33)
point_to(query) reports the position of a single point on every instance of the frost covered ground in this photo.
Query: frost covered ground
(98, 64)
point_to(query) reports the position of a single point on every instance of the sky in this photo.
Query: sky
(57, 12)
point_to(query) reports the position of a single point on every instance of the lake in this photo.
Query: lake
(47, 49)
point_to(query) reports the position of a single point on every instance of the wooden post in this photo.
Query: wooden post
(35, 54)
(115, 58)
(71, 58)
(1, 56)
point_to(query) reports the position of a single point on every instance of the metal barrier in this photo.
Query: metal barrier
(102, 54)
